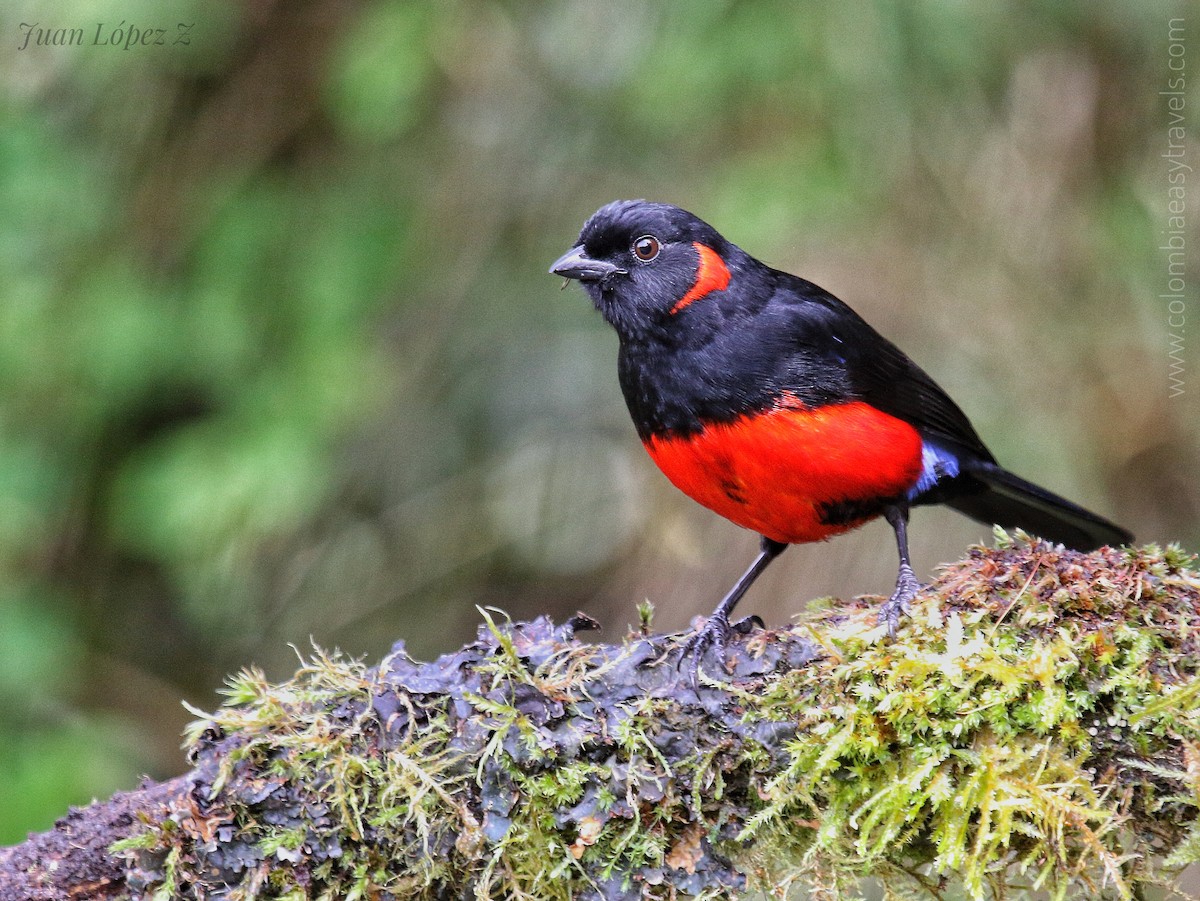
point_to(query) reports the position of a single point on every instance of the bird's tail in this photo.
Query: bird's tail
(1009, 501)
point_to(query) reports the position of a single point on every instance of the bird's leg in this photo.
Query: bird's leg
(715, 632)
(907, 585)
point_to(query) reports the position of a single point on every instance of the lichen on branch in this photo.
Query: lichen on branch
(1036, 722)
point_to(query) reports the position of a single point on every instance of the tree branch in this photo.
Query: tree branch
(72, 860)
(1037, 720)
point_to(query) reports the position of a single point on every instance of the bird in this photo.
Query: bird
(774, 404)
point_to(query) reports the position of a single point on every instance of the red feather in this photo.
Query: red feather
(711, 275)
(775, 472)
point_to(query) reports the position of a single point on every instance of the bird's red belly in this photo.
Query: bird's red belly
(779, 472)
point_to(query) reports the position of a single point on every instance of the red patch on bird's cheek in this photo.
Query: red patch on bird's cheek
(711, 275)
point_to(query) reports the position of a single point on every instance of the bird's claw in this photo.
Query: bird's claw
(897, 605)
(747, 624)
(713, 634)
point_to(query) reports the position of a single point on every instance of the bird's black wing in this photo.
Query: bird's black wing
(878, 372)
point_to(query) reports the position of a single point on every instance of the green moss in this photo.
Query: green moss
(992, 740)
(1034, 726)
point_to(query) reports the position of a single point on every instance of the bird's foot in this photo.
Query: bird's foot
(713, 634)
(897, 605)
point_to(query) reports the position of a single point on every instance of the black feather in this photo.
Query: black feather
(878, 372)
(993, 495)
(771, 335)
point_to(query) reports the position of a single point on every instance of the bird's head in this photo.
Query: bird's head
(644, 263)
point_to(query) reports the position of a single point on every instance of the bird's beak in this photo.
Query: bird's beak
(575, 263)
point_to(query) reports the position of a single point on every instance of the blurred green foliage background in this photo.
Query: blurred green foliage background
(279, 357)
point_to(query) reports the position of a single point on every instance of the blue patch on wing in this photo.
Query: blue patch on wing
(936, 464)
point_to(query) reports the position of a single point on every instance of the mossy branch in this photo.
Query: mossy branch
(1034, 726)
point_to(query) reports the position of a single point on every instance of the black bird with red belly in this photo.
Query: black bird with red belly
(769, 401)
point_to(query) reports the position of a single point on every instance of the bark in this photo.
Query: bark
(1037, 719)
(72, 860)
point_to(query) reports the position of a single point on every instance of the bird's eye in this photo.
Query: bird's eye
(646, 248)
